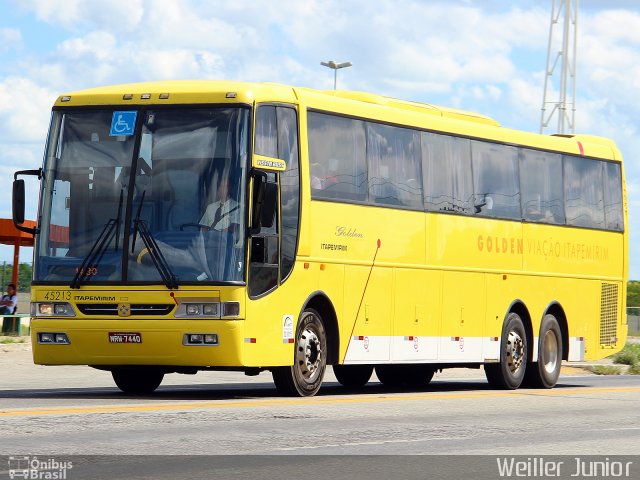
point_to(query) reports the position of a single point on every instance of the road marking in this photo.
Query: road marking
(372, 442)
(256, 403)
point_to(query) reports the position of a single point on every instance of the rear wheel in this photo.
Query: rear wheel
(509, 373)
(304, 377)
(545, 372)
(405, 375)
(137, 380)
(353, 376)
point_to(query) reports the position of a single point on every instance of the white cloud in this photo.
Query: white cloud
(24, 110)
(10, 38)
(119, 15)
(20, 156)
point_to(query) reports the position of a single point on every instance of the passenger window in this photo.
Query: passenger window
(337, 157)
(393, 164)
(584, 197)
(541, 186)
(448, 183)
(495, 175)
(613, 196)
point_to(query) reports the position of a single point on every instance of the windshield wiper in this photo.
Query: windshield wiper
(93, 258)
(161, 264)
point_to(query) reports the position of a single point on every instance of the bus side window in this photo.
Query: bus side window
(495, 180)
(337, 148)
(266, 142)
(446, 168)
(541, 186)
(394, 166)
(584, 192)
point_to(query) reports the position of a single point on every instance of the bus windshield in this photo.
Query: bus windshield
(132, 196)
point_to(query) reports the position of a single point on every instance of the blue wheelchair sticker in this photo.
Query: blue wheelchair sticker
(123, 123)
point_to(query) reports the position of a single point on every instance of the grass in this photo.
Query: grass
(629, 355)
(6, 341)
(605, 369)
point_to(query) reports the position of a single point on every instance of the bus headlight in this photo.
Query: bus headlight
(50, 309)
(200, 339)
(57, 338)
(208, 310)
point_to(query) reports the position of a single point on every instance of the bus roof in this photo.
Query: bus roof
(346, 102)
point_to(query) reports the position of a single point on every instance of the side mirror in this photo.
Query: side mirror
(18, 202)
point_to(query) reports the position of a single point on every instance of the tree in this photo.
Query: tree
(24, 276)
(633, 294)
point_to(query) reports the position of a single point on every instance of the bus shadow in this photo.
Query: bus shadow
(235, 391)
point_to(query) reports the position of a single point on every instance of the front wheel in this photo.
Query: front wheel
(137, 380)
(545, 372)
(304, 377)
(509, 373)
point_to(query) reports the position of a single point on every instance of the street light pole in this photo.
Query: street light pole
(335, 67)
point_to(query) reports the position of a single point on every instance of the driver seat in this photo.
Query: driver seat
(186, 199)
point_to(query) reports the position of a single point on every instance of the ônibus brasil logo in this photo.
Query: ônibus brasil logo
(36, 469)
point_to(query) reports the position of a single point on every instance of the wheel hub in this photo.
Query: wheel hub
(515, 352)
(309, 354)
(550, 351)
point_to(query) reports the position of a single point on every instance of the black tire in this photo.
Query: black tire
(137, 381)
(304, 377)
(509, 373)
(353, 376)
(545, 372)
(413, 376)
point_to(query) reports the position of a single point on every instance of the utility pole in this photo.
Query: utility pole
(560, 75)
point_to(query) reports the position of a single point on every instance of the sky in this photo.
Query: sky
(487, 56)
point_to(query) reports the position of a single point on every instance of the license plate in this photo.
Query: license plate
(125, 337)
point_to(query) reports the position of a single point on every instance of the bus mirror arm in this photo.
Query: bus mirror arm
(18, 200)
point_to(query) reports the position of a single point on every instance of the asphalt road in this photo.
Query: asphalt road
(78, 411)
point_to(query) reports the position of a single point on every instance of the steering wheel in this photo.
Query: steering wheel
(196, 225)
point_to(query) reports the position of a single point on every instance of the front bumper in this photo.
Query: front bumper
(162, 343)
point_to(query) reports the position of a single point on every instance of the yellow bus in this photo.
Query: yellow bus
(213, 225)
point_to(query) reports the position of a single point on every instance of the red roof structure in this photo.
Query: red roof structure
(10, 235)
